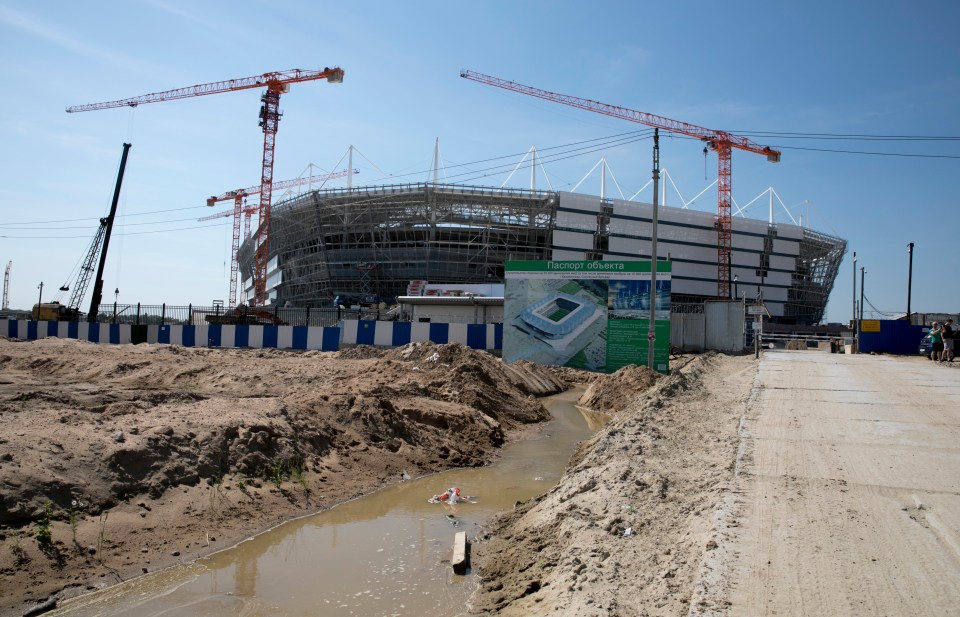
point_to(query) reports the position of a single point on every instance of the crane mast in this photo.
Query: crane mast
(6, 287)
(720, 141)
(275, 83)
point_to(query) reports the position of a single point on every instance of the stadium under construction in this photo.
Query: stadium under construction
(375, 240)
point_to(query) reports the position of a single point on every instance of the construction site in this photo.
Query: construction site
(238, 463)
(377, 240)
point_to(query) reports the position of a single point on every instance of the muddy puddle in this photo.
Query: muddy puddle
(387, 554)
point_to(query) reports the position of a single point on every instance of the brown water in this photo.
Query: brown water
(387, 554)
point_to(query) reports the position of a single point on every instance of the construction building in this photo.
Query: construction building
(376, 240)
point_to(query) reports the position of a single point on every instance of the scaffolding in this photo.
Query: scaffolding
(816, 270)
(374, 240)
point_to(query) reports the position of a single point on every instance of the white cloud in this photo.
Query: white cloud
(31, 25)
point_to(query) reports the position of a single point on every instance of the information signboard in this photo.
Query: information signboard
(586, 314)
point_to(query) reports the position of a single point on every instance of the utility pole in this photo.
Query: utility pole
(909, 281)
(863, 273)
(651, 333)
(40, 300)
(856, 328)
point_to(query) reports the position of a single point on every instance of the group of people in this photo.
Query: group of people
(941, 335)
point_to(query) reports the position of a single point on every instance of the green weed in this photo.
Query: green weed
(44, 535)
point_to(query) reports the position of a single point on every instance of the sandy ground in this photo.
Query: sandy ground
(625, 530)
(851, 490)
(120, 460)
(809, 483)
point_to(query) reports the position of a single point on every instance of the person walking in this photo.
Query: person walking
(936, 338)
(947, 333)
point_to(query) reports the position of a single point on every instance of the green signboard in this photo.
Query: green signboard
(586, 314)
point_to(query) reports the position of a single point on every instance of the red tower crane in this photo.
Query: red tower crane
(721, 141)
(275, 83)
(238, 196)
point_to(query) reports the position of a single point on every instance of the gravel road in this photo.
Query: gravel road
(850, 472)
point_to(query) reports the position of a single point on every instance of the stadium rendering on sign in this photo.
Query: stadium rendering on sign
(375, 240)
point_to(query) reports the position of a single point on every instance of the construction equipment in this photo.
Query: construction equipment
(6, 287)
(238, 197)
(275, 83)
(97, 253)
(720, 141)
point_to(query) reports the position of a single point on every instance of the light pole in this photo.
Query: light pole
(856, 327)
(909, 281)
(651, 332)
(736, 288)
(863, 272)
(40, 299)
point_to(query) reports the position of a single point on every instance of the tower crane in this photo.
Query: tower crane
(6, 287)
(275, 83)
(238, 196)
(720, 141)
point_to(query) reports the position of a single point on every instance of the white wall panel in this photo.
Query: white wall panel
(707, 271)
(790, 231)
(560, 255)
(576, 220)
(701, 288)
(787, 247)
(577, 201)
(783, 263)
(573, 240)
(753, 243)
(629, 246)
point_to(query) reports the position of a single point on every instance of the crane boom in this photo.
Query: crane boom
(276, 83)
(267, 80)
(283, 184)
(238, 210)
(721, 141)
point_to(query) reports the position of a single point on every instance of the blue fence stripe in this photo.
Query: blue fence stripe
(13, 328)
(114, 333)
(73, 329)
(189, 336)
(31, 330)
(366, 330)
(214, 335)
(477, 336)
(331, 339)
(53, 328)
(299, 339)
(440, 333)
(93, 332)
(401, 333)
(241, 336)
(498, 336)
(270, 337)
(163, 335)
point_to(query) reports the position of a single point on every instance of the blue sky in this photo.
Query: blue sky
(867, 68)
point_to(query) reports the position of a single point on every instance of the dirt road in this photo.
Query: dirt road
(850, 471)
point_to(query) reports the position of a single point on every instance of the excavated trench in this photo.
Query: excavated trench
(385, 554)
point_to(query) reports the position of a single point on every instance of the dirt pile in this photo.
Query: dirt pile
(611, 393)
(180, 445)
(625, 530)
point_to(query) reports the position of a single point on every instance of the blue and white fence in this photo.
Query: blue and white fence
(398, 333)
(364, 332)
(93, 332)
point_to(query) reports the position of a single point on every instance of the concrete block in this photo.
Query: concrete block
(459, 561)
